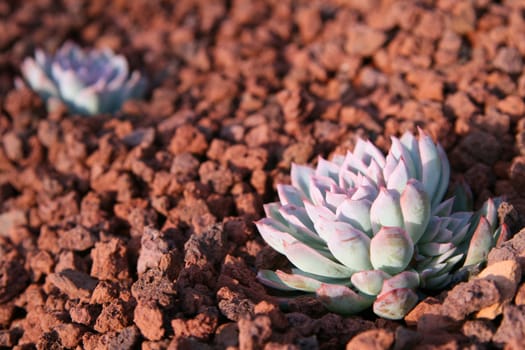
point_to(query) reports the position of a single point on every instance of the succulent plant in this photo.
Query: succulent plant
(368, 230)
(88, 82)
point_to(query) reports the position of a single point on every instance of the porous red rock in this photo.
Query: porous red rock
(76, 284)
(13, 278)
(149, 320)
(110, 260)
(374, 339)
(468, 297)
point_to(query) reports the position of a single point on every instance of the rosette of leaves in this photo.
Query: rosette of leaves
(88, 82)
(368, 230)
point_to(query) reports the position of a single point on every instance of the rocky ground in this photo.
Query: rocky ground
(136, 230)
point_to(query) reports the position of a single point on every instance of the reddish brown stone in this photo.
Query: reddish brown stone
(188, 139)
(461, 105)
(104, 292)
(512, 249)
(154, 245)
(13, 278)
(479, 330)
(227, 335)
(153, 287)
(75, 284)
(13, 146)
(357, 117)
(374, 339)
(125, 339)
(508, 59)
(364, 41)
(517, 173)
(482, 146)
(248, 204)
(201, 327)
(6, 313)
(511, 327)
(254, 333)
(85, 314)
(430, 88)
(512, 105)
(8, 338)
(71, 260)
(32, 297)
(149, 319)
(70, 334)
(10, 220)
(78, 238)
(429, 305)
(41, 264)
(114, 316)
(468, 297)
(37, 322)
(219, 178)
(110, 260)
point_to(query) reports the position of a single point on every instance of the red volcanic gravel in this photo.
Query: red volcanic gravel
(135, 231)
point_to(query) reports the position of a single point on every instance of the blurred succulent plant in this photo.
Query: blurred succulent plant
(368, 230)
(88, 82)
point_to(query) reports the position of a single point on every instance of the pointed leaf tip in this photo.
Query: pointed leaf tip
(270, 279)
(274, 233)
(356, 213)
(343, 300)
(405, 279)
(289, 194)
(386, 210)
(369, 282)
(504, 234)
(480, 244)
(399, 176)
(415, 207)
(391, 250)
(300, 178)
(444, 178)
(395, 304)
(430, 164)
